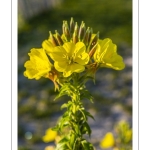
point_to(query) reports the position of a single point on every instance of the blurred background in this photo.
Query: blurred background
(112, 91)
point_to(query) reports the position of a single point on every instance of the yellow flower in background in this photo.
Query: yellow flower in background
(49, 136)
(57, 139)
(124, 131)
(49, 148)
(70, 58)
(38, 65)
(106, 55)
(128, 135)
(108, 141)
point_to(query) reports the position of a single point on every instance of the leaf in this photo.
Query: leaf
(56, 128)
(66, 89)
(64, 106)
(87, 145)
(76, 128)
(62, 144)
(88, 114)
(86, 94)
(72, 140)
(64, 122)
(83, 114)
(86, 129)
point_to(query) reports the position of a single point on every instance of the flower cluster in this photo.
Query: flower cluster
(77, 50)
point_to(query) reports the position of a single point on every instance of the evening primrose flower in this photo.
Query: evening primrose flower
(49, 136)
(38, 65)
(70, 58)
(106, 55)
(108, 141)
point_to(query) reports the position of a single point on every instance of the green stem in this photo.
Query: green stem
(75, 118)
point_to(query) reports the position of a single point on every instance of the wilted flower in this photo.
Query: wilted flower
(38, 65)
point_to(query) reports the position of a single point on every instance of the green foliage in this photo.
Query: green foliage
(124, 134)
(75, 117)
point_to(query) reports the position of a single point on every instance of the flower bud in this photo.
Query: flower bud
(86, 37)
(67, 31)
(71, 26)
(76, 28)
(53, 39)
(92, 51)
(75, 33)
(94, 41)
(58, 37)
(63, 27)
(82, 31)
(90, 35)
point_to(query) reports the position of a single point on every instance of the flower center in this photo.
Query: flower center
(70, 60)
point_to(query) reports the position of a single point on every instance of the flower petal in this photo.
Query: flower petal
(77, 68)
(60, 66)
(82, 59)
(73, 68)
(69, 47)
(116, 62)
(47, 45)
(80, 48)
(58, 54)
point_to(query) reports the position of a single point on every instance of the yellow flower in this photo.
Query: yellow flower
(70, 58)
(106, 55)
(49, 136)
(49, 148)
(108, 141)
(38, 65)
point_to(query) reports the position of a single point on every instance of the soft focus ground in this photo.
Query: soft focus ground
(112, 91)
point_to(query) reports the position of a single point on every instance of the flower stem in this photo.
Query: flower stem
(75, 119)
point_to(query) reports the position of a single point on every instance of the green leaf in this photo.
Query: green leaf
(62, 144)
(72, 140)
(88, 114)
(64, 122)
(87, 145)
(66, 89)
(64, 106)
(86, 94)
(83, 114)
(86, 129)
(56, 128)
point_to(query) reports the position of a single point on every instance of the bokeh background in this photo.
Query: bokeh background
(112, 91)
